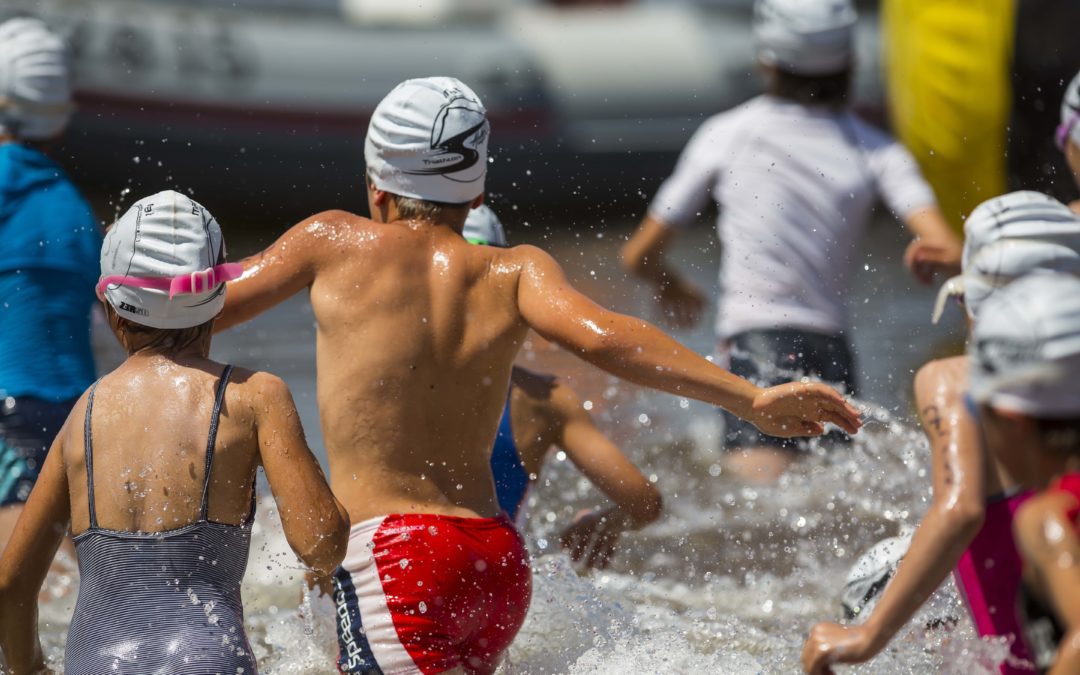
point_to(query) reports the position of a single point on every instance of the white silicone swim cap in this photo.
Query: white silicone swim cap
(428, 140)
(35, 80)
(805, 37)
(867, 578)
(1069, 129)
(1007, 237)
(484, 227)
(162, 263)
(1025, 350)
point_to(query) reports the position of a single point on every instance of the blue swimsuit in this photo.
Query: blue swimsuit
(511, 480)
(161, 602)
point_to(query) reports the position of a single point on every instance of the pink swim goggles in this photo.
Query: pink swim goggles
(186, 284)
(1064, 130)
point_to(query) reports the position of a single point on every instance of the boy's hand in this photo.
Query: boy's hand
(926, 257)
(802, 409)
(592, 537)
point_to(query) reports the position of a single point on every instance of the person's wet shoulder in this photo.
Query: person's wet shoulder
(1043, 527)
(339, 226)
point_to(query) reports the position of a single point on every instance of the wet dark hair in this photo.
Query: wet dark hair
(414, 208)
(164, 340)
(410, 207)
(810, 89)
(1061, 436)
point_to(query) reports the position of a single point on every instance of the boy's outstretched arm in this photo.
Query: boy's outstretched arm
(637, 351)
(276, 274)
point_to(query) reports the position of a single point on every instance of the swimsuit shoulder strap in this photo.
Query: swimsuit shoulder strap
(88, 447)
(211, 440)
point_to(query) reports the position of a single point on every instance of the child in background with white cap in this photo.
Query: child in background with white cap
(154, 472)
(1068, 132)
(49, 243)
(796, 176)
(1025, 380)
(542, 412)
(417, 334)
(967, 528)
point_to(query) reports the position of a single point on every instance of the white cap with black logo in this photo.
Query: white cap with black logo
(1025, 349)
(428, 140)
(163, 263)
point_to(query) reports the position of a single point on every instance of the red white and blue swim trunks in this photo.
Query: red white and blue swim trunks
(421, 593)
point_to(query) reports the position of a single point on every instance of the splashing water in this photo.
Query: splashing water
(728, 581)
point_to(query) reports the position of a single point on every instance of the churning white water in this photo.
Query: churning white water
(729, 580)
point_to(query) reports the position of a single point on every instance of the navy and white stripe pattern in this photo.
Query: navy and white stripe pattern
(354, 650)
(162, 602)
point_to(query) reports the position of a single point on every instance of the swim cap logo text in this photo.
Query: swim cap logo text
(460, 127)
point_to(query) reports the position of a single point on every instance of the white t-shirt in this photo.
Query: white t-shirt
(796, 186)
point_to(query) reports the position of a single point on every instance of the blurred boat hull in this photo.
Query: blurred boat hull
(269, 108)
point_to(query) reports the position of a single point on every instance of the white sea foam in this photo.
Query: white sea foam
(729, 581)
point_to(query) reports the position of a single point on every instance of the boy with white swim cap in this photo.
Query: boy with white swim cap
(1067, 135)
(49, 243)
(1025, 369)
(968, 527)
(417, 334)
(543, 412)
(154, 472)
(795, 175)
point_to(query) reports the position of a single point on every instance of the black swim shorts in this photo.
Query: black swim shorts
(771, 357)
(27, 429)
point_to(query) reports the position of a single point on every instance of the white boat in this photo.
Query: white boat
(267, 100)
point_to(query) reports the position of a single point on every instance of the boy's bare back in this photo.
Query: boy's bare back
(416, 334)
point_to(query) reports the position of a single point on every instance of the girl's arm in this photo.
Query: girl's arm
(602, 462)
(316, 525)
(594, 535)
(26, 560)
(953, 520)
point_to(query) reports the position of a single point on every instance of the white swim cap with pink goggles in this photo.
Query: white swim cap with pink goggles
(163, 263)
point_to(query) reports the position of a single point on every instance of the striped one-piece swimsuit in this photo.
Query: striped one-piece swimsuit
(161, 602)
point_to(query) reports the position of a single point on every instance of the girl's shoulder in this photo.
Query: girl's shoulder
(257, 387)
(1043, 527)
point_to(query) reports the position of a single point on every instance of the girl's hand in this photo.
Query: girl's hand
(831, 643)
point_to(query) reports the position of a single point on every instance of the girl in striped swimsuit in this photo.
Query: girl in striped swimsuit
(154, 472)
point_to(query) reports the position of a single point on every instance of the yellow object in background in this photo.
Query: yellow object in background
(947, 77)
